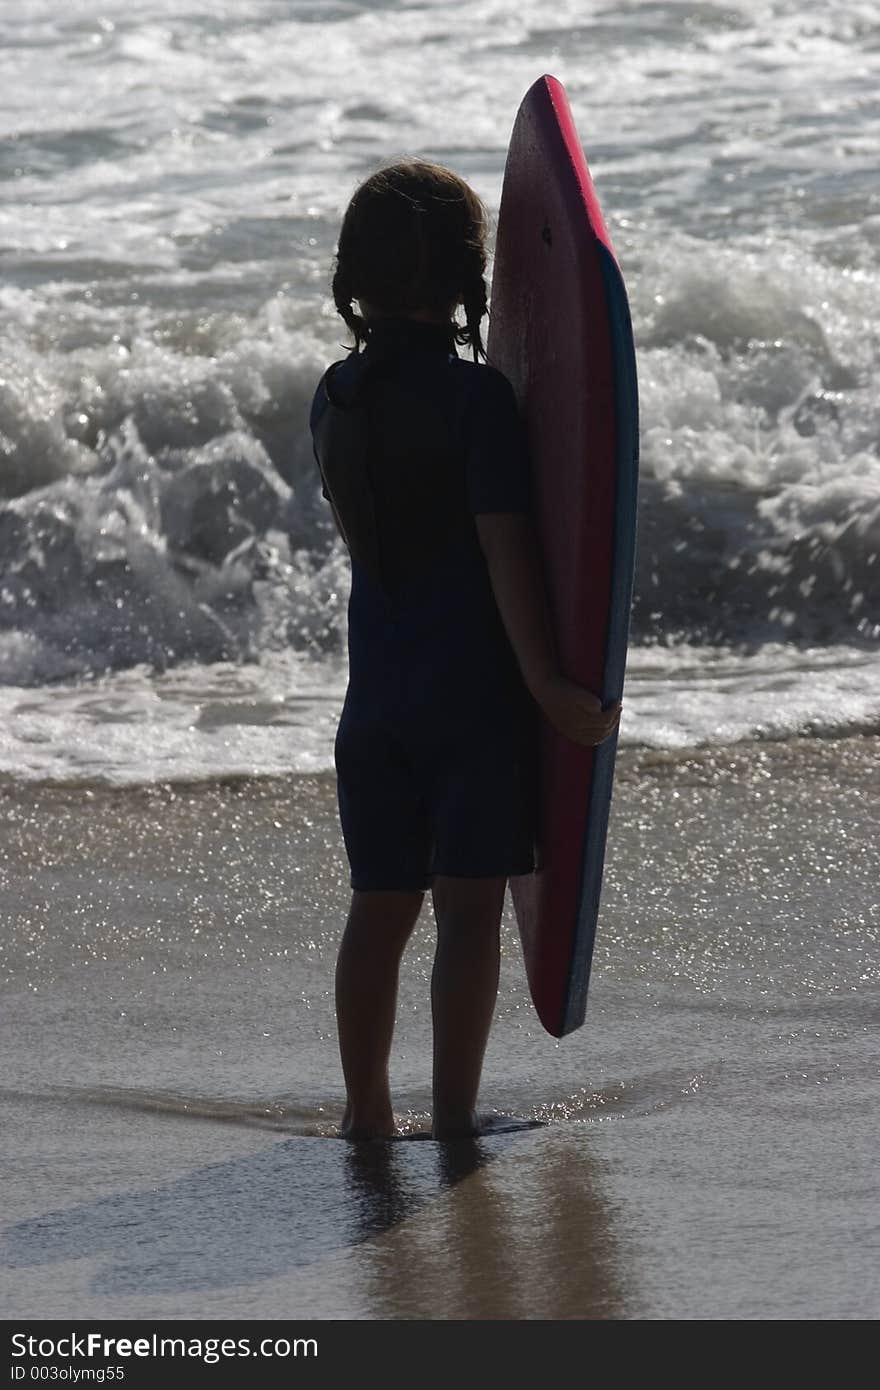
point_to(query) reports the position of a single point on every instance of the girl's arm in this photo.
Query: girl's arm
(337, 521)
(510, 547)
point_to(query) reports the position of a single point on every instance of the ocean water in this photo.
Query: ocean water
(172, 593)
(172, 623)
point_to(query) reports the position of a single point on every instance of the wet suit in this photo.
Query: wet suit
(435, 751)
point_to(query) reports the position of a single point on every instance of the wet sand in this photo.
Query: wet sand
(171, 1086)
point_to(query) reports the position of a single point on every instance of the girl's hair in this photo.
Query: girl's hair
(413, 238)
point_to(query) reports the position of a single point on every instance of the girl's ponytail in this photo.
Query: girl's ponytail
(343, 298)
(474, 300)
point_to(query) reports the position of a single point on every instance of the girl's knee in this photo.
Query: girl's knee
(386, 911)
(471, 904)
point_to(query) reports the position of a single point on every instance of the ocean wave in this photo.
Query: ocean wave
(163, 502)
(166, 312)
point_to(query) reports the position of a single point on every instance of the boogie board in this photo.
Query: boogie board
(560, 331)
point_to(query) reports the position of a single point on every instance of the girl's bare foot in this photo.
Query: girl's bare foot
(357, 1127)
(466, 1126)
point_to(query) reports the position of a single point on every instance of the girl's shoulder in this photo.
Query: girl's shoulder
(487, 387)
(336, 387)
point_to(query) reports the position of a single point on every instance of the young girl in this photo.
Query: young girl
(423, 461)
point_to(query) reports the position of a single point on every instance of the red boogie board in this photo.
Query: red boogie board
(560, 331)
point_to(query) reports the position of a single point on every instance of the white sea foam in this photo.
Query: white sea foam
(194, 723)
(279, 715)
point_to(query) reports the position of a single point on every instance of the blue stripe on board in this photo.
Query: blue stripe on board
(626, 464)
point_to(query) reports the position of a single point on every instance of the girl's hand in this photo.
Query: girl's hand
(577, 713)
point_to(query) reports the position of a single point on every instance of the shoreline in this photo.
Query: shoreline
(632, 760)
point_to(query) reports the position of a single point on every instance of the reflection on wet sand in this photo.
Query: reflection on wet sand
(524, 1236)
(509, 1226)
(228, 1223)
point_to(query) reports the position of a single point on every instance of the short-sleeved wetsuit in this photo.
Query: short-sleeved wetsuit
(435, 751)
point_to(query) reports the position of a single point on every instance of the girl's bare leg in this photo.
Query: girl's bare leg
(378, 928)
(464, 987)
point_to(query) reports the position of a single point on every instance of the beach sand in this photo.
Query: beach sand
(171, 1085)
